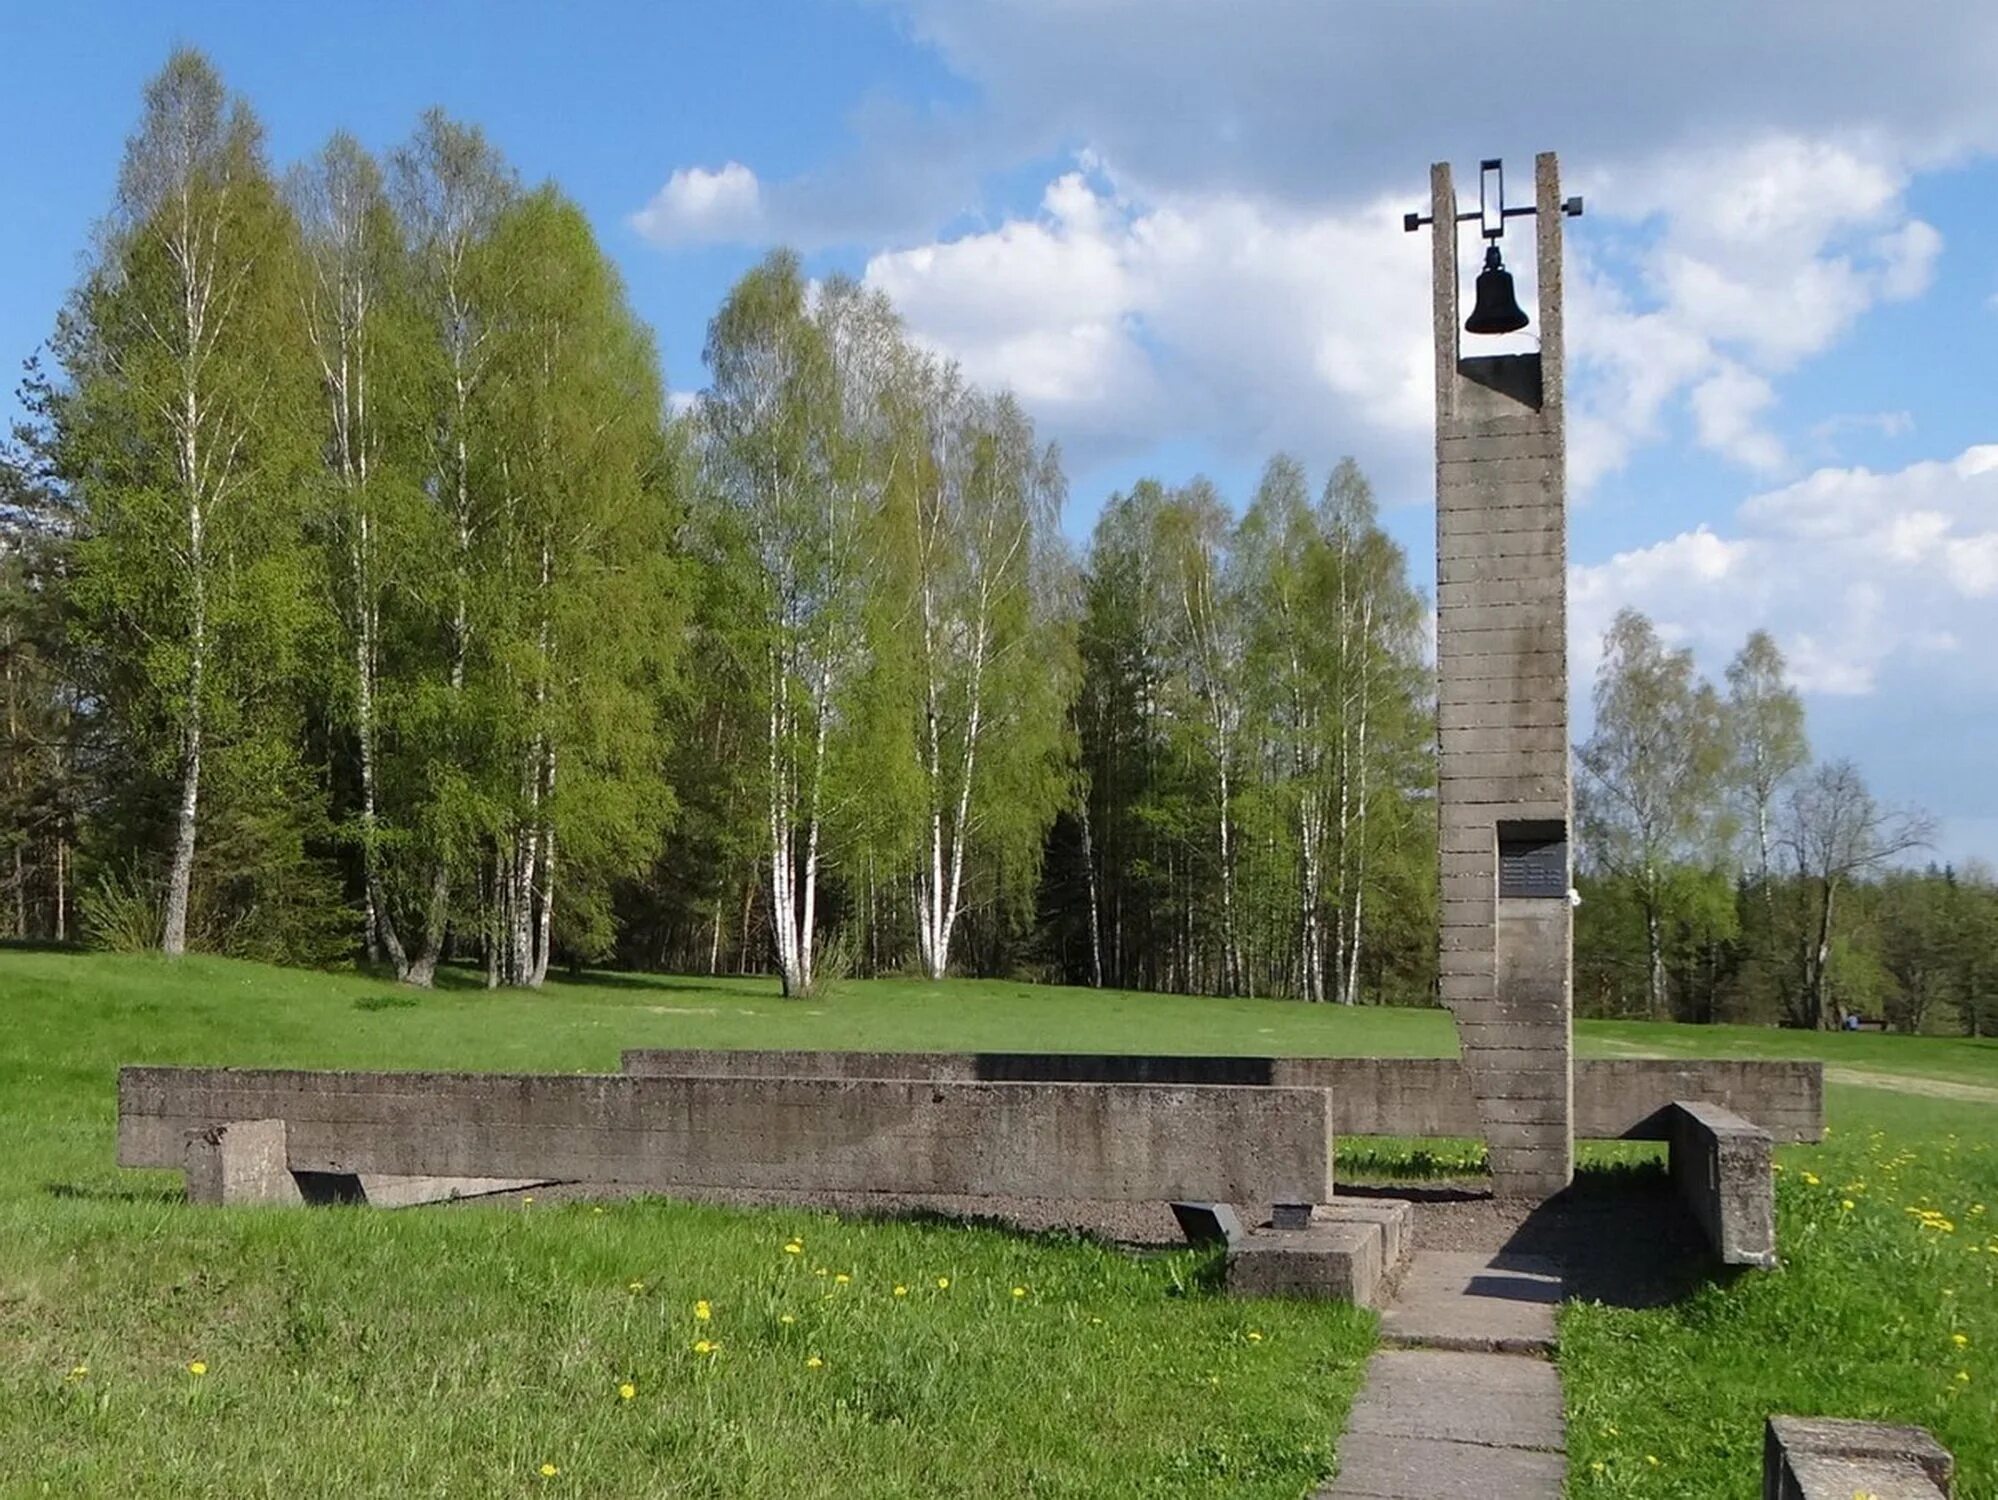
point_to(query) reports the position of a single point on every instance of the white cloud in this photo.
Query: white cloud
(1888, 424)
(1857, 574)
(1726, 406)
(1758, 256)
(697, 205)
(1123, 320)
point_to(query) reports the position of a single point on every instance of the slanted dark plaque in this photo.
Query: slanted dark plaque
(1533, 860)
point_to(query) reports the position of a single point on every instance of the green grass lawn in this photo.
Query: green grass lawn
(459, 1351)
(1885, 1307)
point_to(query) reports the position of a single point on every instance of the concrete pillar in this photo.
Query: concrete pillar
(1503, 795)
(243, 1161)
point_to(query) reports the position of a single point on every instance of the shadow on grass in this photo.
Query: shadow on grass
(741, 986)
(85, 1192)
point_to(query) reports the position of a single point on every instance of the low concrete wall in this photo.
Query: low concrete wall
(1822, 1458)
(1722, 1171)
(1615, 1098)
(785, 1134)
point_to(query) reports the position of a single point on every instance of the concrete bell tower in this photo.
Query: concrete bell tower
(1504, 802)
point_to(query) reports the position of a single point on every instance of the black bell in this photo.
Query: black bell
(1498, 309)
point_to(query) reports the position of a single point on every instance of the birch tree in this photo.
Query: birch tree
(356, 309)
(983, 497)
(575, 608)
(450, 189)
(1651, 775)
(1375, 678)
(182, 431)
(1766, 742)
(1210, 650)
(794, 464)
(1280, 539)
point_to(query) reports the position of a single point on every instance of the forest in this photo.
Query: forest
(363, 598)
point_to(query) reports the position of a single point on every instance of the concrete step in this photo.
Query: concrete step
(1474, 1302)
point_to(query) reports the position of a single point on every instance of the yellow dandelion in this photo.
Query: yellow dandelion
(1095, 1322)
(636, 1286)
(1255, 1337)
(1961, 1340)
(1811, 1178)
(901, 1291)
(794, 1247)
(706, 1346)
(1652, 1459)
(599, 1208)
(77, 1372)
(842, 1279)
(626, 1391)
(943, 1283)
(702, 1312)
(1019, 1291)
(814, 1363)
(197, 1367)
(1845, 1204)
(786, 1318)
(549, 1471)
(1963, 1377)
(529, 1198)
(1596, 1467)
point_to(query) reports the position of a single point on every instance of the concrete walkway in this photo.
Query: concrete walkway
(1463, 1404)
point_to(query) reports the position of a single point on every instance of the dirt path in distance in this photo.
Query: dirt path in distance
(1901, 1083)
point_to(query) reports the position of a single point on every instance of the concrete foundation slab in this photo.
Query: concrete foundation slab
(1395, 1217)
(1827, 1458)
(1329, 1262)
(1821, 1476)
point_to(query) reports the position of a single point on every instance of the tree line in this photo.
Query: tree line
(361, 597)
(1726, 875)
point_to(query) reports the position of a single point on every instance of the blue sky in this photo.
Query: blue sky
(1173, 228)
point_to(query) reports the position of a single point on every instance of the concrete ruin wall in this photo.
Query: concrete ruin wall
(900, 1136)
(1503, 795)
(1721, 1170)
(1624, 1098)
